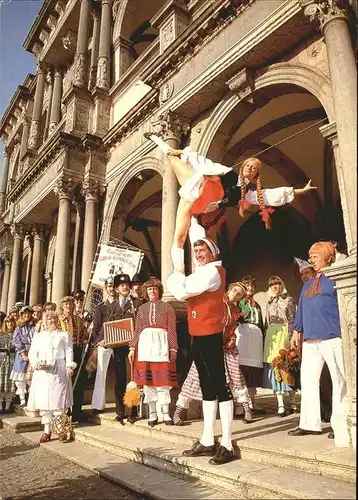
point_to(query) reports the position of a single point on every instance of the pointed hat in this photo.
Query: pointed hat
(302, 264)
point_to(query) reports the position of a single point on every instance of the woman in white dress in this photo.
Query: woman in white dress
(51, 355)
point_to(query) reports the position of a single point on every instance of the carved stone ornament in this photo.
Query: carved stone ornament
(115, 8)
(324, 10)
(90, 189)
(79, 69)
(69, 40)
(314, 49)
(64, 188)
(6, 255)
(103, 73)
(17, 230)
(37, 48)
(171, 125)
(38, 231)
(166, 92)
(242, 84)
(34, 134)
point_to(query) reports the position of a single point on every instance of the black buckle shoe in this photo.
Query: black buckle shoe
(330, 435)
(222, 456)
(152, 423)
(119, 418)
(199, 450)
(302, 432)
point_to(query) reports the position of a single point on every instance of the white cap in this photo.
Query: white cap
(302, 264)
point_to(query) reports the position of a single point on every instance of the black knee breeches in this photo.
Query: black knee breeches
(208, 355)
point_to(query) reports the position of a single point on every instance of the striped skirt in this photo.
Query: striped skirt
(155, 374)
(191, 387)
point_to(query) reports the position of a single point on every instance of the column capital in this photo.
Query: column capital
(329, 132)
(324, 11)
(64, 188)
(6, 255)
(42, 67)
(171, 125)
(91, 189)
(17, 231)
(38, 231)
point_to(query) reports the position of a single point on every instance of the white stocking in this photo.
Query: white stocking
(152, 410)
(163, 146)
(280, 403)
(292, 395)
(47, 428)
(209, 411)
(165, 411)
(177, 255)
(226, 414)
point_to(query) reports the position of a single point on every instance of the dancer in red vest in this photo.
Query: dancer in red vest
(204, 290)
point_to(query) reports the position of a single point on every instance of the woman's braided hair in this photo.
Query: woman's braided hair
(243, 204)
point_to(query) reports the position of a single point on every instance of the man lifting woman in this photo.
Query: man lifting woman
(208, 187)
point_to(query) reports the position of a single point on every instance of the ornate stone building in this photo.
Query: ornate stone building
(235, 78)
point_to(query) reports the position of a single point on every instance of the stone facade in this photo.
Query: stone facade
(233, 79)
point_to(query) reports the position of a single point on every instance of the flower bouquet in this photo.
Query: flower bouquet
(286, 366)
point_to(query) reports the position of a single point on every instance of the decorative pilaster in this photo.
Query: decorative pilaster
(56, 102)
(80, 61)
(37, 265)
(333, 23)
(25, 132)
(171, 127)
(18, 233)
(171, 21)
(36, 115)
(6, 257)
(104, 52)
(4, 180)
(90, 191)
(64, 191)
(49, 81)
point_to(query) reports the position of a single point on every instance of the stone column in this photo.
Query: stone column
(80, 60)
(48, 279)
(4, 179)
(90, 190)
(171, 127)
(56, 102)
(95, 45)
(25, 133)
(78, 242)
(17, 231)
(104, 53)
(343, 72)
(63, 190)
(49, 81)
(37, 111)
(6, 255)
(37, 265)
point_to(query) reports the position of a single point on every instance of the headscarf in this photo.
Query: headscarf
(283, 291)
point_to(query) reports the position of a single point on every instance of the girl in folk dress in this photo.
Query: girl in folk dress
(280, 315)
(51, 355)
(208, 187)
(153, 350)
(250, 341)
(191, 387)
(7, 358)
(21, 339)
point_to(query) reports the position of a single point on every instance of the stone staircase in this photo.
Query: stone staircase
(272, 464)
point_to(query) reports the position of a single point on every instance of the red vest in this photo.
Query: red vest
(206, 311)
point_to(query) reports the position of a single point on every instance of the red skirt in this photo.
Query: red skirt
(211, 190)
(155, 374)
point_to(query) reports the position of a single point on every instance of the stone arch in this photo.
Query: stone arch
(135, 168)
(311, 79)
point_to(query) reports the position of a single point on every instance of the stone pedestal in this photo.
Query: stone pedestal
(344, 273)
(78, 104)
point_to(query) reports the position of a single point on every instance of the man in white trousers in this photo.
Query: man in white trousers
(204, 290)
(317, 318)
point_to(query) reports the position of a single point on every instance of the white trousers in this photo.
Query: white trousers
(21, 388)
(47, 415)
(99, 391)
(314, 354)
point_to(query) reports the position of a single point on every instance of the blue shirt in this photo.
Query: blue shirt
(318, 317)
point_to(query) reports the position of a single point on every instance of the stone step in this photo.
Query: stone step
(240, 478)
(20, 423)
(265, 441)
(159, 485)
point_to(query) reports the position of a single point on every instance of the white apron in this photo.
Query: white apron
(153, 345)
(249, 343)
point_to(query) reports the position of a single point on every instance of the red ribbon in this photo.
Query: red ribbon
(265, 214)
(244, 204)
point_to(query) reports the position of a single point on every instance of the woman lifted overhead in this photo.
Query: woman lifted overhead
(208, 187)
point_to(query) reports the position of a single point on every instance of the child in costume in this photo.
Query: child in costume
(208, 187)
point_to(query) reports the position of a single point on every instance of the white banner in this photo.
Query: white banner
(113, 260)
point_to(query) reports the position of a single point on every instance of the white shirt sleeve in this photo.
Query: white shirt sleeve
(273, 197)
(204, 279)
(33, 351)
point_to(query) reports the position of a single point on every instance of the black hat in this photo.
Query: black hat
(109, 280)
(121, 278)
(139, 278)
(78, 294)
